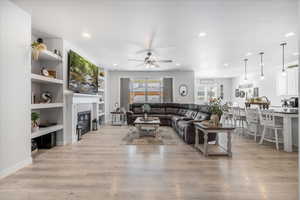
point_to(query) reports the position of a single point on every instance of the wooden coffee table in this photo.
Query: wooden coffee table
(147, 127)
(213, 149)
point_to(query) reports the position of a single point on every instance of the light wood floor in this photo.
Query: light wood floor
(100, 168)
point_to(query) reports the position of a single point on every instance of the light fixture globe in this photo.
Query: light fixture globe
(245, 61)
(283, 71)
(262, 76)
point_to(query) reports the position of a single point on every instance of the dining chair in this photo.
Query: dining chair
(227, 117)
(239, 118)
(252, 120)
(268, 121)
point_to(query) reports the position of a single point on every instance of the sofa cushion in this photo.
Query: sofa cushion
(189, 114)
(182, 111)
(137, 110)
(182, 124)
(176, 117)
(172, 110)
(157, 111)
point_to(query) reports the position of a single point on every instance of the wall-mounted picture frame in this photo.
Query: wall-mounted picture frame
(242, 94)
(237, 93)
(183, 90)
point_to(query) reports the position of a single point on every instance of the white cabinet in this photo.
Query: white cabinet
(288, 85)
(281, 85)
(292, 81)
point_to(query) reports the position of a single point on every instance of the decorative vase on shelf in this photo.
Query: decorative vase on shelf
(35, 53)
(34, 129)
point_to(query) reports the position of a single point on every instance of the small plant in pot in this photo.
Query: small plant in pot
(146, 109)
(215, 108)
(37, 47)
(34, 121)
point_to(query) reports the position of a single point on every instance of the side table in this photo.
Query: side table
(213, 149)
(117, 118)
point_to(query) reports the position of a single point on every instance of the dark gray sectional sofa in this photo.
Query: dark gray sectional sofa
(178, 116)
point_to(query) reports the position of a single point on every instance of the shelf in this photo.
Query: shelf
(43, 79)
(49, 56)
(46, 105)
(102, 102)
(100, 90)
(44, 131)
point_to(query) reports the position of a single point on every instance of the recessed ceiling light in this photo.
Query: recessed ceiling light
(226, 64)
(115, 65)
(177, 64)
(86, 35)
(248, 54)
(290, 34)
(296, 54)
(202, 34)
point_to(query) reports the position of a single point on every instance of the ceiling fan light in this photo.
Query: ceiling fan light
(262, 77)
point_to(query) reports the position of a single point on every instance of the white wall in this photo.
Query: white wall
(180, 77)
(15, 133)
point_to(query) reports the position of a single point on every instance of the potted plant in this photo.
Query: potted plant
(37, 47)
(146, 109)
(215, 108)
(34, 121)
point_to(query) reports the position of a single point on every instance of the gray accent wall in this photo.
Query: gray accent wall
(168, 90)
(124, 93)
(179, 77)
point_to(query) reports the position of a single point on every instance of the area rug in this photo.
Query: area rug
(167, 137)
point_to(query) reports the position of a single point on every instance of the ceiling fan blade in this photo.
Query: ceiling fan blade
(143, 51)
(165, 61)
(151, 40)
(136, 60)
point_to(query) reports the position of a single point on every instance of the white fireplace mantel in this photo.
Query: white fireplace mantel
(73, 103)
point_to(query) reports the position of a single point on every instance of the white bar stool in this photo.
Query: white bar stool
(267, 120)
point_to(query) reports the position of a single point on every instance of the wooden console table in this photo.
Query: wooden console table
(213, 149)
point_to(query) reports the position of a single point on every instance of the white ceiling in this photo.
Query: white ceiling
(119, 28)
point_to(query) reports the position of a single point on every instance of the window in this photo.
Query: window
(145, 90)
(205, 90)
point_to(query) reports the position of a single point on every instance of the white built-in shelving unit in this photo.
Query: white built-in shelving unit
(50, 113)
(101, 94)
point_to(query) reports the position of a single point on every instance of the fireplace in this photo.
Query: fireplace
(84, 121)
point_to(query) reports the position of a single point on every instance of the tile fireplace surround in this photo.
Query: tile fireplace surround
(76, 103)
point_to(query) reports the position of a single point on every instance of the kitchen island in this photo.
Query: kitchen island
(290, 126)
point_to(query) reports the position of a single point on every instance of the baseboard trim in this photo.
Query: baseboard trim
(16, 167)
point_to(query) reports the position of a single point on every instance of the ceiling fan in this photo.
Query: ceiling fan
(150, 61)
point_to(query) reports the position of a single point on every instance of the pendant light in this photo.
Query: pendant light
(283, 71)
(262, 76)
(245, 60)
